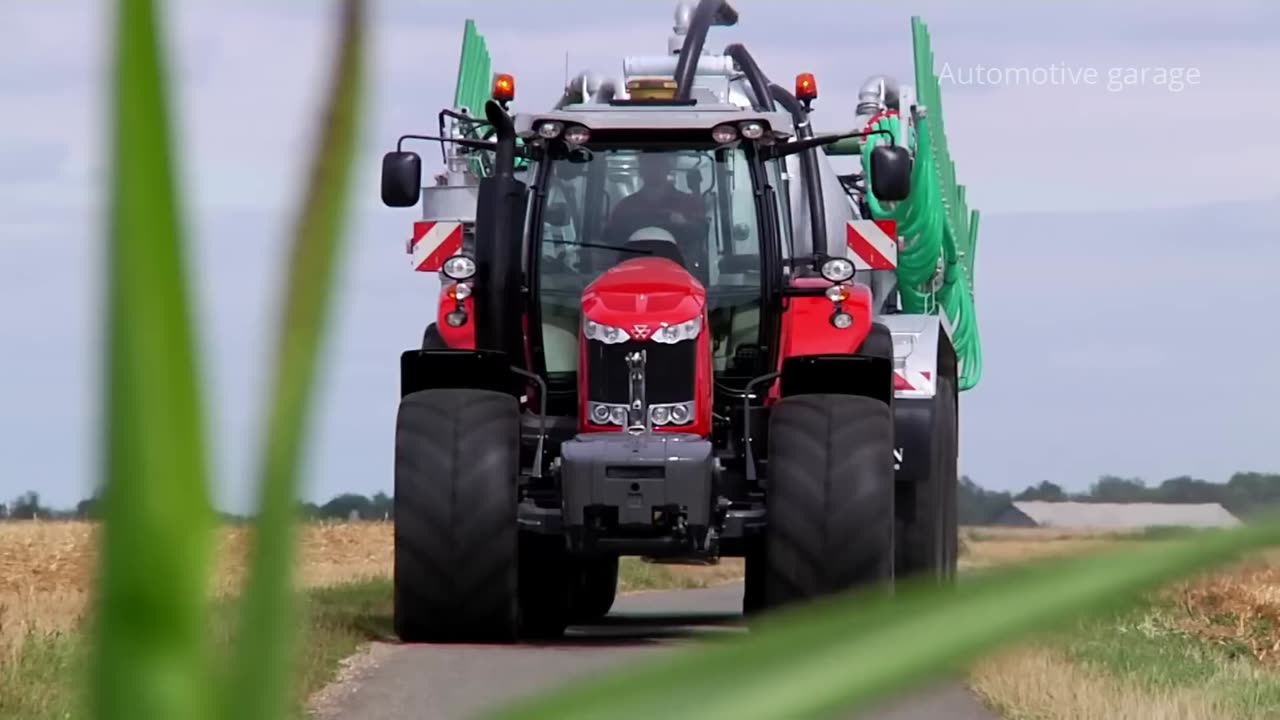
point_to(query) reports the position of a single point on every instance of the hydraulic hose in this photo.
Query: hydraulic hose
(935, 264)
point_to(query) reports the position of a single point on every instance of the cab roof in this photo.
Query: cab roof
(602, 116)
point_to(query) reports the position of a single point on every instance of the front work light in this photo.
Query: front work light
(459, 267)
(724, 134)
(576, 135)
(837, 270)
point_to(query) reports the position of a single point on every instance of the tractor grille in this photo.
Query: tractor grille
(669, 371)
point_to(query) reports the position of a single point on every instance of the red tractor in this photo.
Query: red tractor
(668, 371)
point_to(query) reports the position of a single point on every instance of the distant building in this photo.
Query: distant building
(1114, 516)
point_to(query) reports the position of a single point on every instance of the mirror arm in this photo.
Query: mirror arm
(791, 148)
(465, 142)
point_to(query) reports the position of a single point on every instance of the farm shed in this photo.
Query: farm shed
(1114, 516)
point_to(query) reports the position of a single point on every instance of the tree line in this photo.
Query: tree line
(1243, 494)
(346, 506)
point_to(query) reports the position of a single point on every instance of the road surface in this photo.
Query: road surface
(445, 682)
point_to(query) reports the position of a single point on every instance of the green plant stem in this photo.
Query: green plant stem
(267, 638)
(151, 656)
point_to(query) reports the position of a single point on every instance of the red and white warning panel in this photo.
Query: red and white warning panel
(911, 381)
(873, 244)
(434, 242)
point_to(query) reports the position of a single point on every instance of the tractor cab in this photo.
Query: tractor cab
(661, 232)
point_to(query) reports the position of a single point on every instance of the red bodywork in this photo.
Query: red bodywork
(651, 293)
(807, 328)
(656, 292)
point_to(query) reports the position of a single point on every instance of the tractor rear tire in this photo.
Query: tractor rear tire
(595, 588)
(456, 550)
(931, 540)
(829, 498)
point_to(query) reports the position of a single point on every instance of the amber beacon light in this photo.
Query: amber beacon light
(806, 87)
(504, 87)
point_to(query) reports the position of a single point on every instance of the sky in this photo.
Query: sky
(1121, 155)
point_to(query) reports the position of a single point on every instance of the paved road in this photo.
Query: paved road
(445, 682)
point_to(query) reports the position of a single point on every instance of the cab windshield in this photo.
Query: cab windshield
(692, 203)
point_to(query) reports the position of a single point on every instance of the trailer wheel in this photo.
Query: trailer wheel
(829, 497)
(950, 475)
(456, 550)
(595, 587)
(753, 584)
(931, 542)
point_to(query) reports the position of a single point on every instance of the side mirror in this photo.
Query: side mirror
(890, 172)
(401, 178)
(556, 215)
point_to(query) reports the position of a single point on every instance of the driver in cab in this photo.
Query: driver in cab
(659, 203)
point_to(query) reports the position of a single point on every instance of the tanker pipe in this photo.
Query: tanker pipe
(808, 165)
(587, 87)
(762, 101)
(708, 13)
(878, 93)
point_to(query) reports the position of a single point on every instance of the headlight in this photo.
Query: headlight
(550, 129)
(671, 413)
(837, 270)
(459, 267)
(604, 333)
(841, 319)
(672, 334)
(681, 413)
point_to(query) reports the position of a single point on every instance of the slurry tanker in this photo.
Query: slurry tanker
(668, 327)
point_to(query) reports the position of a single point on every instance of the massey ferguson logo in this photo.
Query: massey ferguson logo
(640, 331)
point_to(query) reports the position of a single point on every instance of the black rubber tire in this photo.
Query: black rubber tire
(595, 588)
(456, 551)
(829, 498)
(431, 339)
(753, 599)
(950, 475)
(930, 542)
(545, 585)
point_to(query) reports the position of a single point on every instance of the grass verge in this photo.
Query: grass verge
(38, 677)
(1200, 650)
(339, 619)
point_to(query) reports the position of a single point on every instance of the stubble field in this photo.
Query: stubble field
(1205, 649)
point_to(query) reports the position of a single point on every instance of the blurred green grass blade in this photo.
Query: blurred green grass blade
(854, 651)
(263, 669)
(150, 655)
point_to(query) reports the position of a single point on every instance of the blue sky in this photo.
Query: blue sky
(1124, 271)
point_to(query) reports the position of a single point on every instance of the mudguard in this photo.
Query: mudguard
(916, 340)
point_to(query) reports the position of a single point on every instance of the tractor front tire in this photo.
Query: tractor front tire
(595, 587)
(829, 498)
(456, 549)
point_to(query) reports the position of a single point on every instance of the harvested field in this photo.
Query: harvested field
(47, 568)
